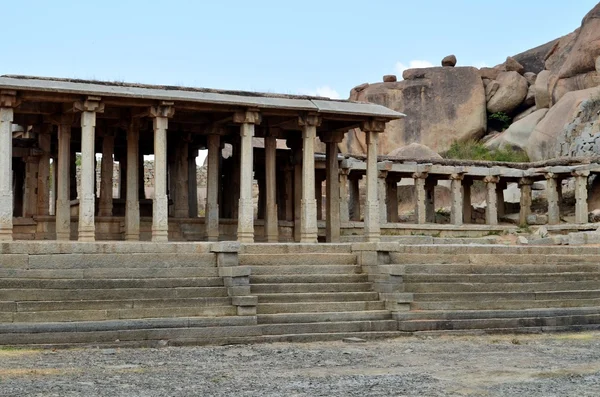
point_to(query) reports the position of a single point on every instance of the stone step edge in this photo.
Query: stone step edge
(131, 324)
(515, 331)
(495, 313)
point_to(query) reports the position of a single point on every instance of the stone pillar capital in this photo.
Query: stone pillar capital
(373, 125)
(491, 179)
(550, 175)
(8, 99)
(382, 174)
(580, 173)
(457, 177)
(420, 175)
(90, 104)
(525, 181)
(331, 137)
(249, 116)
(309, 120)
(164, 109)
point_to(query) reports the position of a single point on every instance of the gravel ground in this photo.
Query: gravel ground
(538, 365)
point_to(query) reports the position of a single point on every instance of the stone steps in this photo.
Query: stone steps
(316, 317)
(308, 278)
(466, 287)
(491, 296)
(499, 277)
(316, 307)
(294, 248)
(110, 273)
(322, 327)
(503, 304)
(495, 314)
(88, 283)
(119, 260)
(47, 294)
(341, 296)
(300, 259)
(309, 287)
(304, 270)
(462, 269)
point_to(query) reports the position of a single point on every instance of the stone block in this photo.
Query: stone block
(14, 261)
(537, 219)
(543, 241)
(239, 290)
(227, 259)
(225, 246)
(522, 240)
(578, 238)
(235, 271)
(248, 300)
(246, 310)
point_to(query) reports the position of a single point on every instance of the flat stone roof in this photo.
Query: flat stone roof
(201, 95)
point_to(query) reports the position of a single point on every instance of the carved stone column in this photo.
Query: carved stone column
(212, 187)
(372, 128)
(456, 197)
(30, 187)
(500, 186)
(467, 208)
(420, 197)
(308, 208)
(88, 108)
(180, 184)
(132, 204)
(271, 209)
(581, 195)
(106, 175)
(382, 194)
(354, 196)
(63, 182)
(192, 183)
(247, 120)
(8, 100)
(552, 198)
(491, 208)
(525, 211)
(392, 199)
(43, 182)
(344, 194)
(333, 204)
(160, 205)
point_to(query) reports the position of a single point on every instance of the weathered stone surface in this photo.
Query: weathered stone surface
(517, 135)
(390, 78)
(449, 60)
(586, 47)
(542, 95)
(575, 83)
(559, 52)
(511, 65)
(533, 59)
(537, 219)
(354, 92)
(562, 125)
(490, 89)
(530, 97)
(530, 77)
(524, 114)
(598, 64)
(512, 92)
(522, 240)
(489, 73)
(414, 151)
(444, 105)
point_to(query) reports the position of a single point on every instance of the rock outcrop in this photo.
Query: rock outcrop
(415, 151)
(442, 104)
(510, 94)
(517, 135)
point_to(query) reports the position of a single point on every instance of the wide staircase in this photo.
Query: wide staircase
(308, 292)
(500, 289)
(144, 295)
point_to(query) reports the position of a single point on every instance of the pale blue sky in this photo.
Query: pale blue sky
(309, 46)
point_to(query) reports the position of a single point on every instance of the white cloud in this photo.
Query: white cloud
(481, 65)
(324, 90)
(414, 64)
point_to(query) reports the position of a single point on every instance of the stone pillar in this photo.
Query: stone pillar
(319, 195)
(212, 188)
(192, 183)
(30, 187)
(581, 195)
(420, 197)
(525, 186)
(132, 203)
(88, 108)
(457, 201)
(382, 194)
(122, 159)
(106, 175)
(430, 200)
(73, 184)
(500, 186)
(289, 193)
(467, 208)
(491, 198)
(354, 196)
(332, 206)
(43, 182)
(63, 182)
(7, 101)
(392, 200)
(141, 177)
(308, 206)
(552, 198)
(297, 196)
(344, 196)
(271, 221)
(248, 120)
(372, 129)
(160, 205)
(180, 183)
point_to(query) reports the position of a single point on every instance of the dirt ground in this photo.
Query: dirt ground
(533, 365)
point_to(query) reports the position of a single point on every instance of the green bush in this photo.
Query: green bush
(473, 150)
(499, 120)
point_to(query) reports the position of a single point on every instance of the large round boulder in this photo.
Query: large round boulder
(442, 105)
(510, 94)
(517, 135)
(414, 151)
